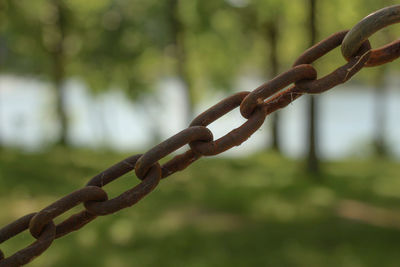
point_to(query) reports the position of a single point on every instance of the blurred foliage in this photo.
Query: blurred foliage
(254, 211)
(128, 44)
(231, 212)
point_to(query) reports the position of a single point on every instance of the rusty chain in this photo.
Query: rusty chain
(254, 106)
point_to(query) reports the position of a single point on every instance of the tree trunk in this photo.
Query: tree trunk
(312, 157)
(271, 33)
(2, 60)
(178, 35)
(60, 99)
(379, 142)
(3, 54)
(381, 148)
(58, 58)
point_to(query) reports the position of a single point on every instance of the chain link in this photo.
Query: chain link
(234, 137)
(338, 76)
(254, 106)
(256, 97)
(368, 26)
(194, 133)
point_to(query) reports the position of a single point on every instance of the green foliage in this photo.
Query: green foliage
(215, 43)
(119, 47)
(128, 44)
(24, 40)
(254, 211)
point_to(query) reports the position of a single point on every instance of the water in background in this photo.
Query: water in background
(111, 120)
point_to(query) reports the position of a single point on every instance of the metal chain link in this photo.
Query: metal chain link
(253, 106)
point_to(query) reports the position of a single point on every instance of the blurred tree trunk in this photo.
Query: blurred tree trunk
(312, 157)
(178, 35)
(3, 51)
(271, 32)
(2, 59)
(381, 91)
(380, 147)
(58, 60)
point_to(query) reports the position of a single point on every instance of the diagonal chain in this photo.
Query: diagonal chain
(254, 106)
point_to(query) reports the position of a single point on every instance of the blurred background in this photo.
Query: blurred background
(84, 84)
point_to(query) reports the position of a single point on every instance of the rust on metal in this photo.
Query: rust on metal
(282, 99)
(220, 109)
(74, 222)
(234, 137)
(173, 143)
(129, 197)
(368, 26)
(27, 254)
(64, 204)
(15, 227)
(338, 76)
(297, 73)
(178, 163)
(114, 172)
(254, 106)
(321, 48)
(384, 55)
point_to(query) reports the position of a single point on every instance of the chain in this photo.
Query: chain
(254, 106)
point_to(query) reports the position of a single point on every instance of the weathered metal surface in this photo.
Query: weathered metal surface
(74, 222)
(114, 172)
(384, 55)
(254, 106)
(178, 163)
(184, 137)
(129, 197)
(234, 137)
(297, 73)
(338, 76)
(27, 254)
(368, 26)
(64, 204)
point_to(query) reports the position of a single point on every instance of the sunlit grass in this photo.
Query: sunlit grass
(261, 210)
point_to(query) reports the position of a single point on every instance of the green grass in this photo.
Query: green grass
(255, 211)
